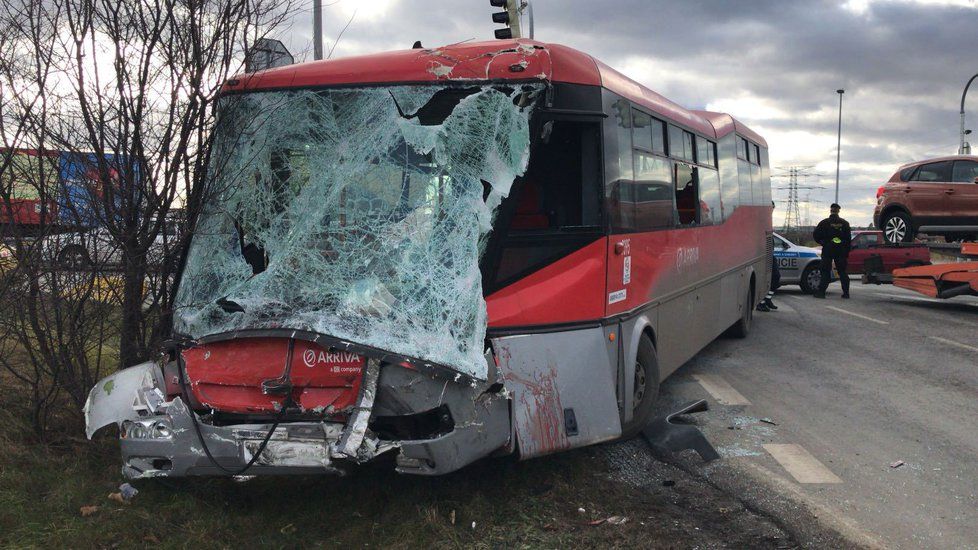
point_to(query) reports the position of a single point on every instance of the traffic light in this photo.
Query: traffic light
(510, 18)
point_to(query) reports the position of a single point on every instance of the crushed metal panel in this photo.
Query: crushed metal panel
(356, 428)
(117, 398)
(550, 374)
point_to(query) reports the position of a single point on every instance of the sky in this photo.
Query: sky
(773, 64)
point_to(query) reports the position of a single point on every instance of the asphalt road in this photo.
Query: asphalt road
(859, 415)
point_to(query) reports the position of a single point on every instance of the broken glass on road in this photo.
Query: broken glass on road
(356, 213)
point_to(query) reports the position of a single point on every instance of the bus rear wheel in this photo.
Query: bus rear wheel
(645, 389)
(741, 328)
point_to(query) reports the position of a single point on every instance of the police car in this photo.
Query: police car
(799, 265)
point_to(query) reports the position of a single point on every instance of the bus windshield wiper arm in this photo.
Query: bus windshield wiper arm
(229, 306)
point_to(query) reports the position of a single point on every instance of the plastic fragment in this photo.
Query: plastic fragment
(769, 421)
(128, 491)
(88, 510)
(613, 520)
(897, 464)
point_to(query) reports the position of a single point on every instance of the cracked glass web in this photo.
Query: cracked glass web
(356, 213)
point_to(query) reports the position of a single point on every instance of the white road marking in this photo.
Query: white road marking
(802, 466)
(953, 343)
(720, 389)
(840, 310)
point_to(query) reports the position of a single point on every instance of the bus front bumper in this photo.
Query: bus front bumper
(160, 438)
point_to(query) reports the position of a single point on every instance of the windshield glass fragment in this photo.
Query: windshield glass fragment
(356, 213)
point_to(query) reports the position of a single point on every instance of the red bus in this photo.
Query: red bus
(440, 255)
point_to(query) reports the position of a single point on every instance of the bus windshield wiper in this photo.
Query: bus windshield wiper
(229, 306)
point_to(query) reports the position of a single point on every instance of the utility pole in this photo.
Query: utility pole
(965, 148)
(317, 29)
(838, 150)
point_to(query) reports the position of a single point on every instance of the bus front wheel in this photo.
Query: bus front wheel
(645, 389)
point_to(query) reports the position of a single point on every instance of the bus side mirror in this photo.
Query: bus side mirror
(976, 180)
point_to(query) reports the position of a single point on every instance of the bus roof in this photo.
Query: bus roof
(517, 60)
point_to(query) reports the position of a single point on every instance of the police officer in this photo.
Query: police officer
(767, 304)
(835, 236)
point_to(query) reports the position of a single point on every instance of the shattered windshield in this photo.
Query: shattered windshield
(356, 213)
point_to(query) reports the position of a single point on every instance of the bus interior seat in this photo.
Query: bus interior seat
(529, 212)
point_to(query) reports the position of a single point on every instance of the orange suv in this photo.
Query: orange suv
(937, 197)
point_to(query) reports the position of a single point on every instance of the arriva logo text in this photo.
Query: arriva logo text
(312, 358)
(685, 257)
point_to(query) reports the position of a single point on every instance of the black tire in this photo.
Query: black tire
(898, 228)
(811, 276)
(741, 328)
(74, 258)
(644, 395)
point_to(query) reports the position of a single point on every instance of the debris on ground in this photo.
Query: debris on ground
(613, 520)
(897, 464)
(128, 491)
(769, 421)
(451, 517)
(668, 483)
(581, 510)
(88, 510)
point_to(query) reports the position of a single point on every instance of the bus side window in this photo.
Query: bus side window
(710, 204)
(744, 182)
(687, 196)
(729, 181)
(554, 208)
(649, 199)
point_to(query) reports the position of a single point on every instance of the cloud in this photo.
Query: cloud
(774, 64)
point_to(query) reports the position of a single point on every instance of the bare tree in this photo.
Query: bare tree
(120, 94)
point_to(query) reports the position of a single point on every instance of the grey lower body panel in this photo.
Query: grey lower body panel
(563, 389)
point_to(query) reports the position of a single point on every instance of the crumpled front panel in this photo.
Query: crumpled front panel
(359, 214)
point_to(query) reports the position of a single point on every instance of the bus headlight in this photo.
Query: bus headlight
(146, 429)
(162, 430)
